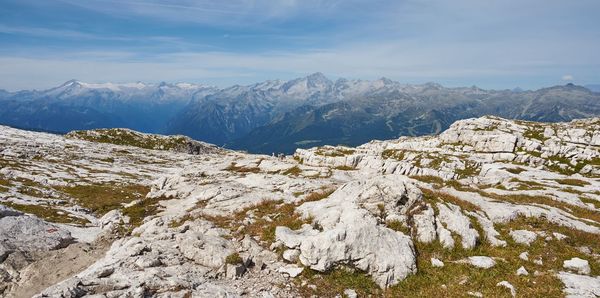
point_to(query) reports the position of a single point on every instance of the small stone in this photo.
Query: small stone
(578, 265)
(436, 263)
(585, 250)
(523, 236)
(350, 293)
(524, 256)
(291, 270)
(481, 262)
(235, 270)
(291, 255)
(106, 272)
(522, 271)
(513, 291)
(275, 245)
(538, 261)
(475, 294)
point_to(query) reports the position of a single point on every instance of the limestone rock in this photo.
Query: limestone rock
(578, 265)
(522, 271)
(291, 270)
(352, 234)
(510, 287)
(291, 255)
(580, 285)
(480, 262)
(523, 236)
(436, 263)
(457, 222)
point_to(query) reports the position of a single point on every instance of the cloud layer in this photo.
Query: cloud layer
(498, 44)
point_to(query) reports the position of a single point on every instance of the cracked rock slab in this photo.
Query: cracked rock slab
(352, 235)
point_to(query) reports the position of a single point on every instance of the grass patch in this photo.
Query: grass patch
(596, 203)
(461, 278)
(528, 185)
(234, 259)
(334, 151)
(516, 171)
(535, 133)
(435, 181)
(432, 197)
(103, 198)
(233, 167)
(335, 281)
(141, 210)
(280, 214)
(544, 200)
(108, 160)
(398, 227)
(293, 171)
(345, 168)
(573, 182)
(126, 137)
(318, 195)
(48, 213)
(393, 154)
(471, 169)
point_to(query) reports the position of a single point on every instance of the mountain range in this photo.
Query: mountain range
(280, 116)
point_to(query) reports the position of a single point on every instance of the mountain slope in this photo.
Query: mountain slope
(78, 105)
(280, 116)
(398, 111)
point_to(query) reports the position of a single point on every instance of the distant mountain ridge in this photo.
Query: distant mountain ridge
(280, 116)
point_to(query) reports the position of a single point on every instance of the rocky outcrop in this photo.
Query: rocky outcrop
(23, 240)
(350, 232)
(235, 224)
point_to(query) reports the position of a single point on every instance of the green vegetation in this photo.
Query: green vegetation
(334, 151)
(48, 213)
(393, 154)
(335, 281)
(432, 197)
(535, 133)
(127, 137)
(293, 171)
(280, 214)
(456, 279)
(234, 168)
(398, 226)
(573, 182)
(435, 181)
(108, 160)
(471, 169)
(528, 185)
(268, 216)
(345, 168)
(102, 198)
(142, 209)
(516, 171)
(596, 203)
(234, 259)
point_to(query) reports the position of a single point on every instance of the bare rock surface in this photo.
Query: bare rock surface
(350, 232)
(120, 216)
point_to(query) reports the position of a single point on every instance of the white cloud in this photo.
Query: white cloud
(406, 61)
(567, 77)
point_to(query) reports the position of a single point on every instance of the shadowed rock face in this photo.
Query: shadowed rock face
(486, 194)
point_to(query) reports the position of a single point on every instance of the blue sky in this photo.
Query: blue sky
(491, 44)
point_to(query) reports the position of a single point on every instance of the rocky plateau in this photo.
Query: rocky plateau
(488, 208)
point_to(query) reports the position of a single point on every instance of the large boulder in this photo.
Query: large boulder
(352, 233)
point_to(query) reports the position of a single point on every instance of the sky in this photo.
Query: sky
(490, 44)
